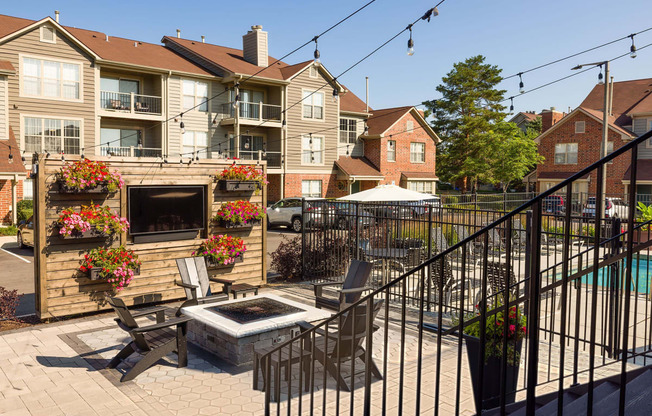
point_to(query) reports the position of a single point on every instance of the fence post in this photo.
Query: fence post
(528, 250)
(357, 230)
(504, 202)
(533, 308)
(430, 255)
(303, 239)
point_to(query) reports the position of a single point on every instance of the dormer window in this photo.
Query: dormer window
(580, 127)
(48, 34)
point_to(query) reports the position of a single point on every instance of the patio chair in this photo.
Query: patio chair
(141, 107)
(153, 341)
(439, 240)
(345, 341)
(196, 282)
(475, 248)
(351, 288)
(116, 105)
(497, 280)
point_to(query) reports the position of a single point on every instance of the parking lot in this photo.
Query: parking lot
(17, 272)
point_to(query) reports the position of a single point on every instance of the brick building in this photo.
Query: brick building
(12, 175)
(572, 142)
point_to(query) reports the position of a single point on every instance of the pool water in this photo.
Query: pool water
(641, 274)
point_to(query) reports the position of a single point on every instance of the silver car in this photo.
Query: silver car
(287, 212)
(25, 235)
(613, 208)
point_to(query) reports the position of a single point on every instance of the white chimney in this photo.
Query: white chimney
(135, 44)
(56, 16)
(178, 33)
(254, 46)
(107, 38)
(203, 39)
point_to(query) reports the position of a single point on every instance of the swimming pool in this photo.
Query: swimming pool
(641, 274)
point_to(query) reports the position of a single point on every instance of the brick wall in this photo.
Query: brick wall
(329, 185)
(588, 149)
(274, 188)
(5, 199)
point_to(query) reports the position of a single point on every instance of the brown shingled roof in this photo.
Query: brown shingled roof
(612, 121)
(643, 170)
(6, 66)
(350, 102)
(626, 95)
(384, 119)
(357, 166)
(17, 165)
(643, 106)
(229, 58)
(291, 70)
(10, 24)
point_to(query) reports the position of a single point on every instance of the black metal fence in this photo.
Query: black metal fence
(516, 306)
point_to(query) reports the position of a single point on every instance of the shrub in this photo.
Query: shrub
(327, 255)
(588, 231)
(8, 303)
(24, 209)
(11, 230)
(646, 214)
(286, 260)
(451, 199)
(118, 265)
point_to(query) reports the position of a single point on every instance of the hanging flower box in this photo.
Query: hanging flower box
(92, 221)
(117, 265)
(241, 178)
(87, 176)
(239, 214)
(221, 251)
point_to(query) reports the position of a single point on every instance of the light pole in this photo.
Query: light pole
(605, 128)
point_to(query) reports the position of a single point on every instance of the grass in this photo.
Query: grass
(10, 230)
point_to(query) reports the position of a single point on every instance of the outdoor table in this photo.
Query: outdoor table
(384, 254)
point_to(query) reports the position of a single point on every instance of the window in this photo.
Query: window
(50, 79)
(417, 152)
(194, 141)
(311, 189)
(312, 150)
(348, 130)
(580, 127)
(391, 150)
(314, 72)
(51, 135)
(48, 34)
(120, 142)
(565, 153)
(28, 189)
(409, 126)
(313, 105)
(195, 93)
(420, 186)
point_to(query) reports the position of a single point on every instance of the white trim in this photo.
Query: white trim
(568, 116)
(387, 151)
(21, 93)
(424, 153)
(21, 139)
(196, 97)
(321, 186)
(554, 157)
(323, 108)
(313, 68)
(323, 151)
(54, 34)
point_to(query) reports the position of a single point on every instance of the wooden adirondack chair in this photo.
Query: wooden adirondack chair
(153, 342)
(196, 282)
(345, 342)
(352, 287)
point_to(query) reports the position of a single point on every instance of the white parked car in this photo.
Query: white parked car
(613, 208)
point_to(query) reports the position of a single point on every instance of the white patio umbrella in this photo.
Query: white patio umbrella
(386, 193)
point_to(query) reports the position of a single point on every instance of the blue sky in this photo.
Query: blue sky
(514, 34)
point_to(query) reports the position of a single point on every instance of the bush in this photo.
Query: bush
(588, 231)
(24, 209)
(8, 303)
(286, 260)
(451, 199)
(11, 230)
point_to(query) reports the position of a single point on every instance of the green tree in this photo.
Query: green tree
(515, 155)
(468, 118)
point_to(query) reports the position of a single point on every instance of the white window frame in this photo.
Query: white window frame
(197, 100)
(309, 102)
(350, 139)
(307, 151)
(313, 72)
(62, 119)
(43, 38)
(21, 92)
(409, 126)
(565, 153)
(28, 195)
(413, 153)
(312, 193)
(579, 130)
(195, 147)
(393, 159)
(426, 186)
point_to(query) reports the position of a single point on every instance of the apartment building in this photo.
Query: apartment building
(69, 92)
(572, 142)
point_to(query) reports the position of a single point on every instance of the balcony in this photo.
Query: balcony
(251, 113)
(130, 151)
(130, 103)
(273, 159)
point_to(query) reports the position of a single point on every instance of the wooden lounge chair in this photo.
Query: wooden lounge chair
(196, 282)
(153, 341)
(345, 341)
(352, 287)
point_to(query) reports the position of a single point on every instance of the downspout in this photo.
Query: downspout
(237, 119)
(166, 132)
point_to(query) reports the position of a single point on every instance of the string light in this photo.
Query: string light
(181, 160)
(316, 54)
(47, 154)
(632, 49)
(140, 143)
(197, 156)
(410, 45)
(182, 124)
(366, 128)
(11, 156)
(310, 140)
(347, 149)
(336, 94)
(215, 120)
(511, 106)
(165, 159)
(521, 86)
(23, 155)
(82, 155)
(600, 77)
(63, 158)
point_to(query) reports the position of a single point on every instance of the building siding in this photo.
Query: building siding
(357, 149)
(641, 125)
(4, 124)
(30, 44)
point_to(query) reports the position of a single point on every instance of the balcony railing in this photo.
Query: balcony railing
(253, 111)
(273, 158)
(130, 103)
(130, 151)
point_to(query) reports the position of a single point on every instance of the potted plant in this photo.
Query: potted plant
(91, 221)
(88, 176)
(241, 178)
(239, 214)
(495, 326)
(117, 265)
(221, 250)
(643, 234)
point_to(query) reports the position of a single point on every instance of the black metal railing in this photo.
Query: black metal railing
(485, 322)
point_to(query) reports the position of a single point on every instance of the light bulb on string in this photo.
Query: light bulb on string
(11, 156)
(347, 149)
(410, 44)
(511, 106)
(521, 86)
(197, 156)
(63, 158)
(600, 77)
(366, 129)
(82, 154)
(336, 95)
(310, 140)
(22, 157)
(316, 54)
(632, 49)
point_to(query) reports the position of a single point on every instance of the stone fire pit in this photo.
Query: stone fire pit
(231, 329)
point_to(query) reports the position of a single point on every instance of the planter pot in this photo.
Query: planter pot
(230, 185)
(92, 233)
(94, 274)
(491, 382)
(62, 188)
(642, 236)
(210, 264)
(225, 224)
